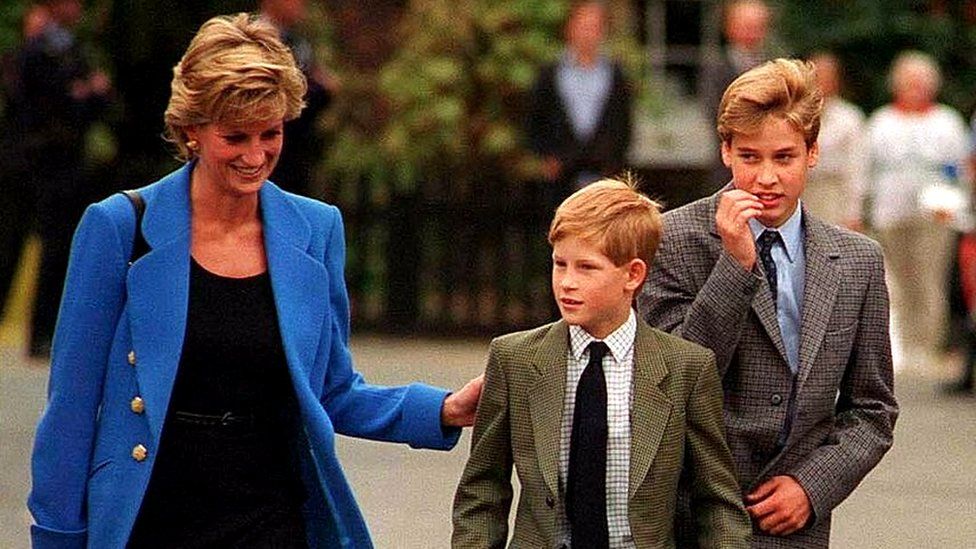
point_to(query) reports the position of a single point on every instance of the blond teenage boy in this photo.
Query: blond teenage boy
(796, 311)
(598, 445)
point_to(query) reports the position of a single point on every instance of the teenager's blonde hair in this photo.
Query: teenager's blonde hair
(235, 71)
(620, 220)
(782, 88)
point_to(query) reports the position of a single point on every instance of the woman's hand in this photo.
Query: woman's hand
(459, 407)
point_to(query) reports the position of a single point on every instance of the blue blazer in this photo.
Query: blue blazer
(120, 335)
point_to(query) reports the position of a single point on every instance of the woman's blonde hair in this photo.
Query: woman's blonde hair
(612, 214)
(235, 71)
(784, 88)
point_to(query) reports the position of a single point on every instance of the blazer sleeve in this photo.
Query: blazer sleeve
(410, 413)
(866, 409)
(484, 495)
(712, 315)
(716, 499)
(89, 313)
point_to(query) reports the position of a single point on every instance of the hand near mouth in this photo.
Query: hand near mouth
(735, 209)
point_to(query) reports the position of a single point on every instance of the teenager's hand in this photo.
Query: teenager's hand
(779, 506)
(459, 408)
(735, 209)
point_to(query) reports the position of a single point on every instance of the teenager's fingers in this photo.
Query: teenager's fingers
(762, 491)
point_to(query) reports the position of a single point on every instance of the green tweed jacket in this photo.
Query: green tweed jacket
(676, 423)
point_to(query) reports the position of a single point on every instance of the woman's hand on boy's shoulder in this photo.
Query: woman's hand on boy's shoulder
(459, 408)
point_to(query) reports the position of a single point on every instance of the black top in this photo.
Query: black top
(231, 482)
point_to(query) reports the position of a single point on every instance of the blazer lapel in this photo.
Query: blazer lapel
(295, 275)
(762, 304)
(157, 288)
(820, 290)
(546, 404)
(651, 409)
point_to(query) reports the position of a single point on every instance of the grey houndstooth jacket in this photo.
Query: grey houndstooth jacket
(843, 394)
(676, 422)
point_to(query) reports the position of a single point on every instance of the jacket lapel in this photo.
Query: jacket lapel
(295, 275)
(546, 404)
(820, 290)
(157, 288)
(651, 407)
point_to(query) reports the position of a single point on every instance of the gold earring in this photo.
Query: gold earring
(192, 145)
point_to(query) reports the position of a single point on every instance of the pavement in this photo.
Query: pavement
(923, 494)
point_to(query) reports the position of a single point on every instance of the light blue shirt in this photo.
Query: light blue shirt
(584, 91)
(790, 259)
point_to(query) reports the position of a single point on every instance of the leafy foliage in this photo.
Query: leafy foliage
(450, 101)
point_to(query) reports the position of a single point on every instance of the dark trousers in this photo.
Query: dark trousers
(17, 201)
(61, 198)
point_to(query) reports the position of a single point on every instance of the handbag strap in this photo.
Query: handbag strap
(139, 245)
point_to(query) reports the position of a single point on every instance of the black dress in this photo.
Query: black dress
(227, 470)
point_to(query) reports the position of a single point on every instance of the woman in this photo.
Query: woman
(915, 145)
(194, 395)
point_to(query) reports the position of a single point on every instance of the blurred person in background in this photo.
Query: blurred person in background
(579, 119)
(296, 170)
(61, 95)
(746, 29)
(835, 187)
(17, 198)
(962, 290)
(196, 388)
(917, 149)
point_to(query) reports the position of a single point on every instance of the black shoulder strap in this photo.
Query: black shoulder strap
(139, 244)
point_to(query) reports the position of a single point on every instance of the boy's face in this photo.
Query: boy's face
(771, 164)
(590, 290)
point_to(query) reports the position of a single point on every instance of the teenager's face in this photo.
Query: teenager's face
(238, 159)
(771, 164)
(590, 290)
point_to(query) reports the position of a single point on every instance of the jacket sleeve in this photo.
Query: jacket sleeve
(716, 499)
(714, 314)
(89, 314)
(410, 413)
(484, 496)
(866, 409)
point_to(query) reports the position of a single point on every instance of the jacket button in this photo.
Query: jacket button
(138, 405)
(550, 503)
(132, 358)
(139, 452)
(776, 399)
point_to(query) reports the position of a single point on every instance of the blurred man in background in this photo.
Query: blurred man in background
(579, 118)
(296, 168)
(835, 187)
(746, 28)
(59, 96)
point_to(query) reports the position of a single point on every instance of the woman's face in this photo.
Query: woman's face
(238, 159)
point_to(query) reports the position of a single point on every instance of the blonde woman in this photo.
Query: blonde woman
(195, 395)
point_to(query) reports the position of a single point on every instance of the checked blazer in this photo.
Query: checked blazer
(676, 423)
(841, 400)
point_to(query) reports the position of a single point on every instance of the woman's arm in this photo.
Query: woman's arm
(90, 310)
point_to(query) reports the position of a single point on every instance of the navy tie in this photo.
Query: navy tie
(586, 486)
(766, 242)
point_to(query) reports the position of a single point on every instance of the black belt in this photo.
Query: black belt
(227, 419)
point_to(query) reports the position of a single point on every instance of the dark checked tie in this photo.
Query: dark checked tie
(586, 487)
(766, 242)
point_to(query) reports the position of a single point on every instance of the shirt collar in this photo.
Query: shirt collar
(619, 341)
(568, 60)
(791, 232)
